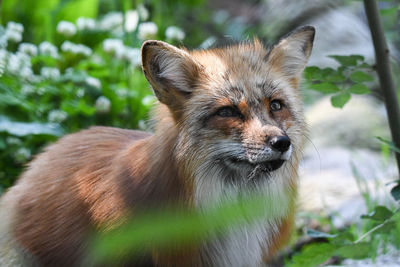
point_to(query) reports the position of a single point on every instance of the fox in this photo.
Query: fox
(228, 122)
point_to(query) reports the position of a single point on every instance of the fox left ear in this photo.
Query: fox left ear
(291, 54)
(171, 72)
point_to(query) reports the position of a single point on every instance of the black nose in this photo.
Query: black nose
(280, 143)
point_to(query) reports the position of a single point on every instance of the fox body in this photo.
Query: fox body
(229, 122)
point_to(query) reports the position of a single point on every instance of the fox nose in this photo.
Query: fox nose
(280, 143)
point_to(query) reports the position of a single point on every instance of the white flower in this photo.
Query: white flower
(13, 36)
(143, 12)
(94, 82)
(14, 32)
(57, 116)
(112, 45)
(103, 104)
(70, 47)
(28, 49)
(46, 48)
(143, 125)
(80, 93)
(27, 89)
(85, 24)
(133, 56)
(122, 93)
(131, 20)
(84, 50)
(22, 154)
(50, 73)
(26, 73)
(111, 21)
(174, 33)
(3, 39)
(41, 91)
(207, 43)
(67, 46)
(3, 60)
(18, 62)
(147, 30)
(14, 26)
(13, 141)
(13, 65)
(66, 28)
(148, 100)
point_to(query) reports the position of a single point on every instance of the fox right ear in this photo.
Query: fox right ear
(171, 72)
(291, 53)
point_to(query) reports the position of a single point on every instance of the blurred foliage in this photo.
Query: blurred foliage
(353, 76)
(76, 63)
(378, 228)
(175, 228)
(59, 87)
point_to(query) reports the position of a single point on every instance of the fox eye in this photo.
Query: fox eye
(275, 105)
(228, 112)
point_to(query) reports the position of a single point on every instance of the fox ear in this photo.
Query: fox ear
(291, 54)
(171, 72)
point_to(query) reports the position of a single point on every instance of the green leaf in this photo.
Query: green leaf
(395, 192)
(343, 237)
(347, 60)
(359, 89)
(326, 88)
(380, 214)
(392, 146)
(313, 255)
(326, 72)
(176, 227)
(336, 77)
(360, 76)
(339, 100)
(318, 234)
(29, 128)
(310, 72)
(389, 11)
(386, 228)
(355, 251)
(2, 143)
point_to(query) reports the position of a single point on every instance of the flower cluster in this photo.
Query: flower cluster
(174, 33)
(103, 104)
(85, 24)
(147, 30)
(77, 49)
(13, 32)
(116, 47)
(46, 48)
(50, 73)
(74, 68)
(66, 28)
(94, 82)
(57, 116)
(28, 49)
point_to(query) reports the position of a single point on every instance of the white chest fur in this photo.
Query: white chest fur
(246, 244)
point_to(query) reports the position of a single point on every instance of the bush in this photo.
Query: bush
(90, 75)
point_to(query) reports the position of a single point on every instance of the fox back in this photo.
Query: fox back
(229, 122)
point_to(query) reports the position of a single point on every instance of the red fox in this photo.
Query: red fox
(229, 121)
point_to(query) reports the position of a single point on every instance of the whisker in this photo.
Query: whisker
(316, 150)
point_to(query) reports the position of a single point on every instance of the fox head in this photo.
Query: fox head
(237, 109)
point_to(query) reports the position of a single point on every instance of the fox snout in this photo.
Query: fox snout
(280, 143)
(276, 147)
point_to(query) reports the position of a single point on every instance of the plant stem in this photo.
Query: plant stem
(376, 227)
(383, 68)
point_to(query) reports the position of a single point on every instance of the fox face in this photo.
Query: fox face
(238, 109)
